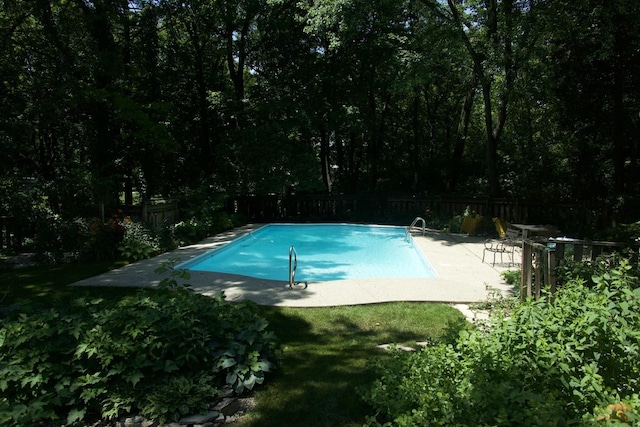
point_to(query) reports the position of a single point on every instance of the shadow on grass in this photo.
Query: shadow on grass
(326, 362)
(46, 285)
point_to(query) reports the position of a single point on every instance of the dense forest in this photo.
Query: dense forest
(106, 99)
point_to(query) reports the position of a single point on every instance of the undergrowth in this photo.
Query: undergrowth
(573, 359)
(160, 354)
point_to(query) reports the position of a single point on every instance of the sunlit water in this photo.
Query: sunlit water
(324, 252)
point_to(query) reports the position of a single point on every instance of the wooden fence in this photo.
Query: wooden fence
(540, 260)
(154, 212)
(276, 208)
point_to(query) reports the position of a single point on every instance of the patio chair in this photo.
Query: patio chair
(513, 239)
(509, 240)
(497, 247)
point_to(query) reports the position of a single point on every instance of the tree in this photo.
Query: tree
(600, 107)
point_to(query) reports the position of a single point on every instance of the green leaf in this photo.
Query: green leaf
(170, 366)
(76, 415)
(227, 363)
(250, 382)
(135, 377)
(232, 377)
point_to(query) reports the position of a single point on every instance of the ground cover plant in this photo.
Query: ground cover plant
(570, 359)
(161, 354)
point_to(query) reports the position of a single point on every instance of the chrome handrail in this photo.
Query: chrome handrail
(413, 224)
(293, 265)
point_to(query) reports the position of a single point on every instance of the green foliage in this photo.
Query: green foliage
(436, 219)
(138, 242)
(454, 225)
(162, 355)
(87, 239)
(512, 277)
(556, 361)
(587, 270)
(197, 228)
(626, 233)
(202, 215)
(189, 231)
(496, 300)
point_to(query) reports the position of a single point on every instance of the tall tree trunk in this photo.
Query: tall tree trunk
(491, 142)
(619, 122)
(501, 45)
(414, 159)
(325, 161)
(206, 158)
(108, 69)
(462, 131)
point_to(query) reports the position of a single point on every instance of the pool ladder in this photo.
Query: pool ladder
(415, 224)
(293, 265)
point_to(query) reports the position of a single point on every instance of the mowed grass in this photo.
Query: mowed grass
(326, 352)
(326, 358)
(49, 284)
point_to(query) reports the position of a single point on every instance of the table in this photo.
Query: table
(540, 230)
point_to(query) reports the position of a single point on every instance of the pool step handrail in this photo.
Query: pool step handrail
(414, 223)
(293, 265)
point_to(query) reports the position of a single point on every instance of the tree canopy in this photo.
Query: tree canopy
(525, 99)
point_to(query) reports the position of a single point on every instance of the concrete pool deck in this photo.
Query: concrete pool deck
(457, 259)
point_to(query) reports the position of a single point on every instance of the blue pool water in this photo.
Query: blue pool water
(325, 252)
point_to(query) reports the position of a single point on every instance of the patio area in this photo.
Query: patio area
(457, 259)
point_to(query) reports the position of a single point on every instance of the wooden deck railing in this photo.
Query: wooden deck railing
(540, 260)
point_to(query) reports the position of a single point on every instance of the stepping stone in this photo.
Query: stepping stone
(199, 418)
(399, 347)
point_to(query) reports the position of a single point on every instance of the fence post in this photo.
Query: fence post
(527, 270)
(551, 269)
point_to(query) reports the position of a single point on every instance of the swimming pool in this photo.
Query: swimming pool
(325, 252)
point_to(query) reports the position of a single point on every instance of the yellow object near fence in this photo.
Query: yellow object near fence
(501, 227)
(472, 224)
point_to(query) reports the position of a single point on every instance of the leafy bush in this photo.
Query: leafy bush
(138, 242)
(56, 237)
(197, 228)
(189, 231)
(88, 239)
(626, 233)
(162, 355)
(435, 219)
(512, 277)
(587, 270)
(571, 359)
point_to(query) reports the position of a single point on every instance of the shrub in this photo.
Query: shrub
(189, 231)
(138, 242)
(162, 355)
(88, 239)
(556, 361)
(587, 270)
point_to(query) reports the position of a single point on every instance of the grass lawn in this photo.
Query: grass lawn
(326, 351)
(48, 284)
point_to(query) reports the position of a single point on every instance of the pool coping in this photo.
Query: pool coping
(457, 259)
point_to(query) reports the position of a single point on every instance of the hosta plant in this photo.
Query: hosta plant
(160, 354)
